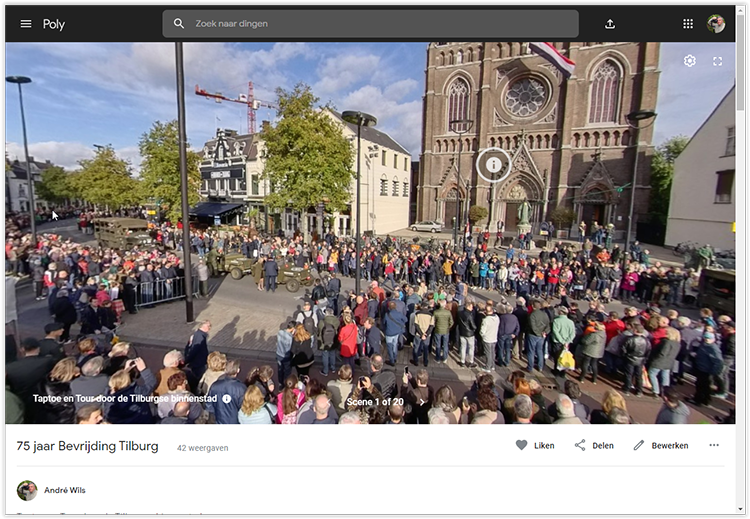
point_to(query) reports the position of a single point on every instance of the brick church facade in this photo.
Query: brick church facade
(570, 140)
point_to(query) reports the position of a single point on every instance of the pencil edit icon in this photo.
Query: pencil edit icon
(638, 445)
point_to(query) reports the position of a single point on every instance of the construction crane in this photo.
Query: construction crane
(249, 100)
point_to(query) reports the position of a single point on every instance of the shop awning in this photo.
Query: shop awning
(213, 209)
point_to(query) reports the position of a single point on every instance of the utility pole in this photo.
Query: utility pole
(189, 314)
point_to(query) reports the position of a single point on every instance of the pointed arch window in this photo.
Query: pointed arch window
(605, 87)
(458, 100)
(383, 185)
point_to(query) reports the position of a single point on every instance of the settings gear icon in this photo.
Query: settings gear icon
(689, 60)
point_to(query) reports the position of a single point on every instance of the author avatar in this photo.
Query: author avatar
(26, 490)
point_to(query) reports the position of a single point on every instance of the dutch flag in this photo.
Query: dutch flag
(550, 53)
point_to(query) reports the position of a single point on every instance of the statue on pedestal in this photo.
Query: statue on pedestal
(524, 210)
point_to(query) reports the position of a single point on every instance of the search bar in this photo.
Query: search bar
(370, 24)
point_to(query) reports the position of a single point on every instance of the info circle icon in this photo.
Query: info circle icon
(496, 167)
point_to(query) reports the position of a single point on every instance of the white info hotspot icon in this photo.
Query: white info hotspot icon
(497, 168)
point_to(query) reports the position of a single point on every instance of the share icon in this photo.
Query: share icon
(580, 445)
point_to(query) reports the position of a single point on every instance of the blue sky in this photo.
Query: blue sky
(86, 94)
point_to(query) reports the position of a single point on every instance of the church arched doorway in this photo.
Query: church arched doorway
(449, 209)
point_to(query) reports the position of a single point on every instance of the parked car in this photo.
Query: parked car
(430, 226)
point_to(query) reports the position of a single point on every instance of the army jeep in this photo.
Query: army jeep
(236, 264)
(289, 275)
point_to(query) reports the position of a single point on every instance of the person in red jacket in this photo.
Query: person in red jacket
(553, 278)
(657, 326)
(348, 337)
(613, 326)
(378, 291)
(390, 271)
(360, 312)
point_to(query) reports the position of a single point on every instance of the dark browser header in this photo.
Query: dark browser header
(138, 23)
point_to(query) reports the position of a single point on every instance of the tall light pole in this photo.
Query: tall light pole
(22, 80)
(179, 65)
(360, 119)
(459, 126)
(634, 119)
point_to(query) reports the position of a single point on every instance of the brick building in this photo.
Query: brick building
(570, 141)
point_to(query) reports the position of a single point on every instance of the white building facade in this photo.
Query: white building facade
(17, 187)
(702, 202)
(385, 183)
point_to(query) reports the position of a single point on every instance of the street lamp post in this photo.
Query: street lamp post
(22, 80)
(189, 315)
(459, 126)
(360, 119)
(634, 119)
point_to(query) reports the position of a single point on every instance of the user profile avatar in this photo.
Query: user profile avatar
(716, 23)
(27, 490)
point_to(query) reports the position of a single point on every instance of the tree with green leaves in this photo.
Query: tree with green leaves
(563, 217)
(160, 169)
(252, 216)
(307, 157)
(477, 213)
(106, 180)
(55, 185)
(662, 173)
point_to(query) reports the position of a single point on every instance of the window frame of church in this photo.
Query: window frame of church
(598, 114)
(464, 105)
(546, 89)
(383, 157)
(396, 186)
(255, 185)
(406, 188)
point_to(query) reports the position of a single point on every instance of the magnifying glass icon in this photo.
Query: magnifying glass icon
(178, 23)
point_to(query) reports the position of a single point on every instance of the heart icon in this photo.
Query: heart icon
(521, 444)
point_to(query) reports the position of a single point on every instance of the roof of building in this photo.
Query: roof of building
(18, 168)
(375, 136)
(235, 145)
(731, 91)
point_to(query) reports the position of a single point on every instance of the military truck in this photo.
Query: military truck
(716, 290)
(122, 233)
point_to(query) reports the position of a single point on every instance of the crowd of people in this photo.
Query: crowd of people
(546, 311)
(98, 384)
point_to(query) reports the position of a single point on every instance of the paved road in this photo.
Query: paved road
(245, 322)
